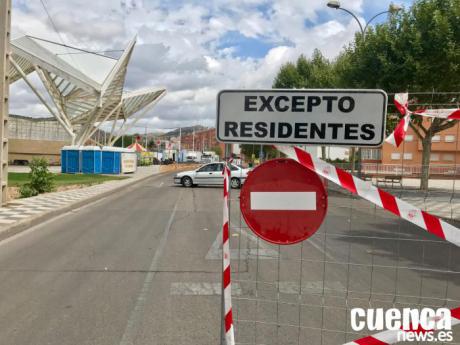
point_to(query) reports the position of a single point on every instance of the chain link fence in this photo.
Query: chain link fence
(362, 256)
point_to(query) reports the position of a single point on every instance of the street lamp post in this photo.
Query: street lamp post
(335, 4)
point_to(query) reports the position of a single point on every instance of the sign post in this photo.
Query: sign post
(317, 117)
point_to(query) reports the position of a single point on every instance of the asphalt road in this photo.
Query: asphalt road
(143, 267)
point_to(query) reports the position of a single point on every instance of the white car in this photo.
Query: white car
(211, 174)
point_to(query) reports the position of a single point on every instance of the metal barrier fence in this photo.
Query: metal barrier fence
(362, 256)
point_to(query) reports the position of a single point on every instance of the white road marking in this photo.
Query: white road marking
(263, 252)
(321, 249)
(135, 318)
(289, 201)
(285, 287)
(201, 289)
(310, 287)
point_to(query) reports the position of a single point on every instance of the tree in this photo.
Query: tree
(288, 77)
(248, 150)
(418, 50)
(317, 72)
(126, 140)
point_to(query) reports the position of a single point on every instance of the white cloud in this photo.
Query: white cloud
(178, 44)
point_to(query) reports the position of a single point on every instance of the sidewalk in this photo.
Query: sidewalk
(20, 214)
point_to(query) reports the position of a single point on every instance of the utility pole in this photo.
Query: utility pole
(5, 28)
(193, 140)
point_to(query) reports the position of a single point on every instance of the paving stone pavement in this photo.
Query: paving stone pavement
(446, 208)
(21, 209)
(440, 203)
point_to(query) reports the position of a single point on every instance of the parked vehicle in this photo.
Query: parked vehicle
(211, 174)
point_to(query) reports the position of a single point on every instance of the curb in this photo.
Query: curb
(21, 226)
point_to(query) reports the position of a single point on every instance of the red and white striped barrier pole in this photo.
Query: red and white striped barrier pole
(226, 275)
(391, 336)
(375, 195)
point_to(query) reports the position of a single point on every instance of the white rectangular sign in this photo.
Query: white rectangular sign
(290, 201)
(318, 117)
(128, 162)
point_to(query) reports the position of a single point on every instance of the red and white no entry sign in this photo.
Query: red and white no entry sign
(282, 202)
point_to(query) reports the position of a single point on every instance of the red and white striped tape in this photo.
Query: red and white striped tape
(226, 275)
(375, 195)
(397, 137)
(402, 104)
(391, 336)
(449, 114)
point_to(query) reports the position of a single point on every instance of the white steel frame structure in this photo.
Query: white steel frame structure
(86, 88)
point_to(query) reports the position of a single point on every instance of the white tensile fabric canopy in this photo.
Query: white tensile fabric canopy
(85, 87)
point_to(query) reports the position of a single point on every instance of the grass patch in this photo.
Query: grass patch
(18, 179)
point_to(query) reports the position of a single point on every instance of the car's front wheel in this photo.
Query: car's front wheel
(187, 181)
(235, 183)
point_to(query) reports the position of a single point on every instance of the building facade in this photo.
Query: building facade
(445, 149)
(202, 141)
(35, 137)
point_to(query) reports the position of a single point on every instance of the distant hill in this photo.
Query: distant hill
(184, 130)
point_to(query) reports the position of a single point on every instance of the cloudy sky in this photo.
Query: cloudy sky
(193, 48)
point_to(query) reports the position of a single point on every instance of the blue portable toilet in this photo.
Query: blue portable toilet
(91, 159)
(111, 160)
(70, 159)
(63, 160)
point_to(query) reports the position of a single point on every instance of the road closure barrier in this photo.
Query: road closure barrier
(375, 195)
(226, 270)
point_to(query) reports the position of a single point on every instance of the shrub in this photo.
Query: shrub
(41, 179)
(25, 191)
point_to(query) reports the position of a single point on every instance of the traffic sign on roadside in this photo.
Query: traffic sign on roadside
(282, 202)
(319, 117)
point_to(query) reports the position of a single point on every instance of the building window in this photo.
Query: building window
(395, 156)
(449, 138)
(448, 157)
(436, 138)
(409, 138)
(434, 157)
(371, 154)
(407, 156)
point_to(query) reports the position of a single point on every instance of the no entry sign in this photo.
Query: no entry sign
(282, 202)
(319, 117)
